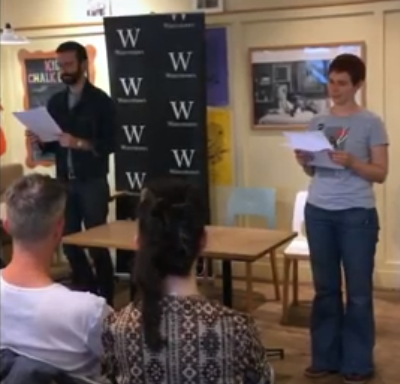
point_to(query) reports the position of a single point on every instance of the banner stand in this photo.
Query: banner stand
(158, 80)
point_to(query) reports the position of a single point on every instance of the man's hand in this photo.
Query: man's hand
(302, 157)
(32, 138)
(68, 141)
(342, 158)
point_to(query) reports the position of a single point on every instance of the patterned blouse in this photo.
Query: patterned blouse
(206, 344)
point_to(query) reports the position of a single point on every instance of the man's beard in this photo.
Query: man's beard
(71, 78)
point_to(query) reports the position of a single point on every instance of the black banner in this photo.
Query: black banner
(157, 77)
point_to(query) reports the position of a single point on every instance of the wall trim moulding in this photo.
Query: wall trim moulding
(225, 13)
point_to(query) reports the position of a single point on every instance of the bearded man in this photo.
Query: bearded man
(87, 117)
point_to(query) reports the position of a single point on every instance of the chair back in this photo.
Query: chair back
(298, 212)
(260, 202)
(9, 173)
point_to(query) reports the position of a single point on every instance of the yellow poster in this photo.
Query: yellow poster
(220, 154)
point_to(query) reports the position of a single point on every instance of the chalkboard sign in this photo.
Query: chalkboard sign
(41, 80)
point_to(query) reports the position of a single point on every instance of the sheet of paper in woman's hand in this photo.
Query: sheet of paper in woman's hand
(39, 122)
(309, 141)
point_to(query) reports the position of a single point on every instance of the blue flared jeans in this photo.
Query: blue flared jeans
(342, 332)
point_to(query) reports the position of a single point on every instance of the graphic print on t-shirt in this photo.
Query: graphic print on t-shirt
(337, 136)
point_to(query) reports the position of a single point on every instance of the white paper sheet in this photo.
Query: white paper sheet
(309, 141)
(39, 122)
(314, 142)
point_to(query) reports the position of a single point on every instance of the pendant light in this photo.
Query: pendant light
(9, 37)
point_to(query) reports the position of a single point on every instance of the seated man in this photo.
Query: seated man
(40, 319)
(173, 334)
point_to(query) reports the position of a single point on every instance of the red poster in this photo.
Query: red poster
(3, 143)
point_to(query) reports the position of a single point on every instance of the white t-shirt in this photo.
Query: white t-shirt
(54, 325)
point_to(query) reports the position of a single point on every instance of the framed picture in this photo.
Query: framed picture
(208, 6)
(289, 85)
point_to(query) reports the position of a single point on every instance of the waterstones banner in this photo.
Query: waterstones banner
(158, 80)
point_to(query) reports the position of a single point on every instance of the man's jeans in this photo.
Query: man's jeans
(87, 204)
(342, 339)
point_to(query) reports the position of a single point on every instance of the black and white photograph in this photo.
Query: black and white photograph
(209, 6)
(290, 85)
(98, 8)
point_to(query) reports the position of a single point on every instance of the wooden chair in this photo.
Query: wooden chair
(295, 252)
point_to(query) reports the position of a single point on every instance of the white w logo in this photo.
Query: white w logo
(133, 132)
(128, 36)
(183, 157)
(131, 84)
(180, 59)
(136, 179)
(182, 16)
(182, 108)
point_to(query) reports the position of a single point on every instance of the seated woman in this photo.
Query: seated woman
(172, 334)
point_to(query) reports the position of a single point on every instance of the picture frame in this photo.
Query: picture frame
(208, 6)
(288, 85)
(40, 79)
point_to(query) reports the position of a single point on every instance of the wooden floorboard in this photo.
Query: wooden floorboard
(295, 340)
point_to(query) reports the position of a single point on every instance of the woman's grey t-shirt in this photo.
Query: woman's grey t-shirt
(333, 189)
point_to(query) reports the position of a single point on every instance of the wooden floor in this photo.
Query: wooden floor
(295, 340)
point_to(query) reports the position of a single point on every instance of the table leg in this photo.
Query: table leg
(295, 283)
(249, 286)
(132, 290)
(287, 263)
(227, 283)
(132, 285)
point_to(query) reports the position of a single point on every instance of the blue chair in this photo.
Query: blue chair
(260, 202)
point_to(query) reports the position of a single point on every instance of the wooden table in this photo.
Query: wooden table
(228, 244)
